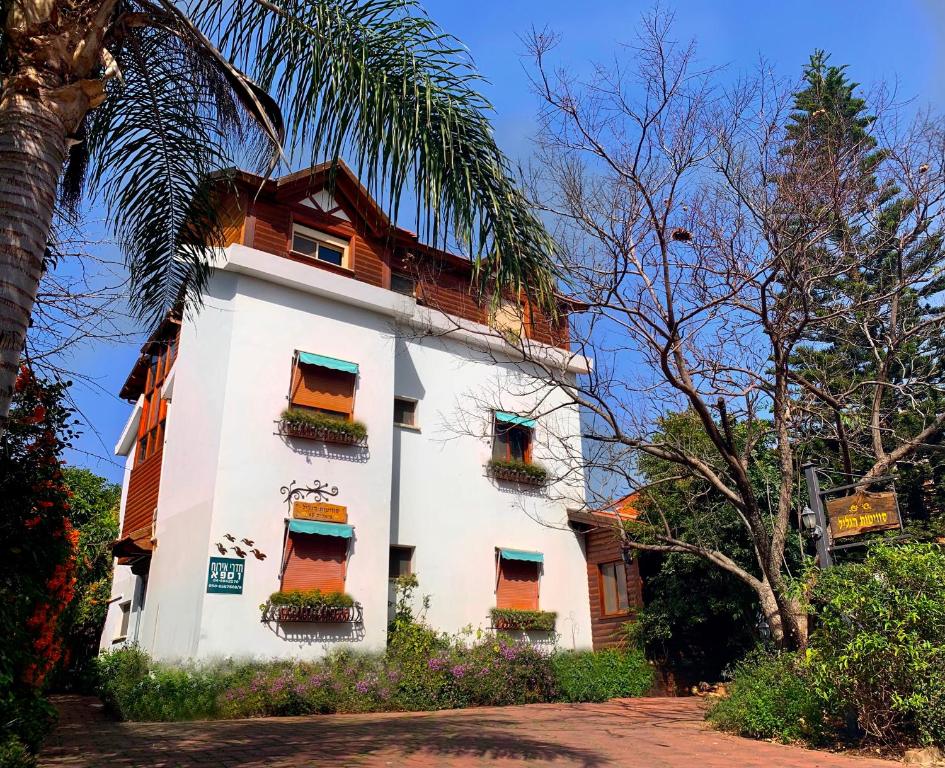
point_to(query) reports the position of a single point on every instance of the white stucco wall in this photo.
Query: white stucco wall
(224, 465)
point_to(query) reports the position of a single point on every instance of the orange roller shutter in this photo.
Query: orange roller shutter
(327, 390)
(518, 585)
(315, 562)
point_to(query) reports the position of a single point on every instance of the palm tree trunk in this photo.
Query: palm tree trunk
(32, 152)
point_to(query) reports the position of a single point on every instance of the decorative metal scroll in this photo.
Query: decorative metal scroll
(318, 491)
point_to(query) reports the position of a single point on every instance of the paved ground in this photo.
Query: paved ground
(649, 733)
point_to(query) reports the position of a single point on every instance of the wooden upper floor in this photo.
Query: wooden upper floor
(335, 225)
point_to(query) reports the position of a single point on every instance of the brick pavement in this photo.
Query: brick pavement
(649, 733)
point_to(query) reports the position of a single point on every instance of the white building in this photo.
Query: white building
(320, 304)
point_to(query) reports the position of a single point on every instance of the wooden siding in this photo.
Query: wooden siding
(518, 585)
(602, 546)
(315, 562)
(443, 282)
(143, 487)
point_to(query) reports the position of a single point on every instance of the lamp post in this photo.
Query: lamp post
(814, 518)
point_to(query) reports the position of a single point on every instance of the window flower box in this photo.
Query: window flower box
(514, 619)
(515, 471)
(313, 607)
(312, 425)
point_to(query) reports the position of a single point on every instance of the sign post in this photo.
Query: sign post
(824, 560)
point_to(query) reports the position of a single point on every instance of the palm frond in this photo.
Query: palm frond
(379, 82)
(153, 145)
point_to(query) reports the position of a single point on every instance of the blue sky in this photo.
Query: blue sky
(900, 42)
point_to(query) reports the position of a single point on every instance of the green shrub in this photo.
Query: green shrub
(311, 598)
(771, 697)
(513, 618)
(14, 754)
(133, 687)
(601, 675)
(879, 644)
(307, 419)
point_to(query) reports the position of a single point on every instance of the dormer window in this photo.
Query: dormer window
(319, 246)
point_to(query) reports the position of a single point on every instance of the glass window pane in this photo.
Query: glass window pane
(302, 244)
(400, 563)
(404, 411)
(331, 255)
(609, 587)
(500, 447)
(403, 284)
(518, 443)
(623, 602)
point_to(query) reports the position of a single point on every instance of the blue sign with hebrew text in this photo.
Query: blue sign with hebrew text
(226, 575)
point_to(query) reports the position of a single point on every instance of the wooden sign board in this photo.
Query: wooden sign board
(319, 510)
(862, 512)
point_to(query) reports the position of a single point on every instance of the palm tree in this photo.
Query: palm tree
(141, 103)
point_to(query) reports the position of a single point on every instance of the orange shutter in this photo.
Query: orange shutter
(518, 585)
(327, 390)
(315, 562)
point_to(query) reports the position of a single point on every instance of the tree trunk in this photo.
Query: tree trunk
(785, 616)
(32, 152)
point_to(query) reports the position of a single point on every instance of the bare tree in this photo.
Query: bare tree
(707, 250)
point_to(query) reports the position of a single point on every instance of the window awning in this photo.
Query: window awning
(309, 358)
(511, 418)
(321, 529)
(520, 554)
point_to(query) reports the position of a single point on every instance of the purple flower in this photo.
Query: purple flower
(459, 670)
(436, 664)
(362, 686)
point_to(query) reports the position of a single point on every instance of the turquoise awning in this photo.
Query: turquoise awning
(322, 529)
(520, 554)
(511, 418)
(308, 358)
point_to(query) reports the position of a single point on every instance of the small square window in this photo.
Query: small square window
(405, 412)
(319, 246)
(400, 283)
(512, 442)
(401, 562)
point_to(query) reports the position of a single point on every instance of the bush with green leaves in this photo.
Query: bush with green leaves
(601, 675)
(772, 697)
(878, 647)
(516, 618)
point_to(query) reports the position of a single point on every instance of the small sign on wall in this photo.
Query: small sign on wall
(225, 576)
(319, 510)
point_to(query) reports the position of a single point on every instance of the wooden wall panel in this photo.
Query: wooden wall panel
(602, 546)
(315, 562)
(143, 487)
(518, 585)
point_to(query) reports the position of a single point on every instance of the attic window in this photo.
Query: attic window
(400, 283)
(319, 246)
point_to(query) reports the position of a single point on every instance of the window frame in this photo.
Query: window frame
(124, 624)
(503, 427)
(298, 366)
(539, 573)
(404, 276)
(289, 548)
(320, 238)
(416, 403)
(619, 567)
(403, 547)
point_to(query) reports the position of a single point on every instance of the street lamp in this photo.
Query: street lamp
(809, 521)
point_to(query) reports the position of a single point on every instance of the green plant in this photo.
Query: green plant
(534, 471)
(314, 420)
(601, 675)
(879, 644)
(772, 697)
(311, 598)
(14, 754)
(514, 618)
